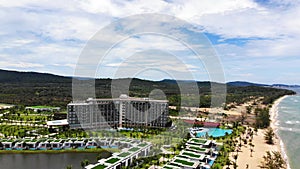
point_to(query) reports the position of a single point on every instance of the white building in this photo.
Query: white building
(118, 112)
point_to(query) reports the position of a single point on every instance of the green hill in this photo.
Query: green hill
(31, 88)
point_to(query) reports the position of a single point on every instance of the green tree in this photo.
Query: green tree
(273, 160)
(269, 136)
(82, 164)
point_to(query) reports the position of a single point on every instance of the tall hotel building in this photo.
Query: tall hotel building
(118, 112)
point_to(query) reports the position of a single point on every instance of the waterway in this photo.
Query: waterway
(46, 161)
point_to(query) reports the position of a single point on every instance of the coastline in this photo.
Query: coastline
(273, 117)
(252, 160)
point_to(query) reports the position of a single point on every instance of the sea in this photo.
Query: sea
(288, 124)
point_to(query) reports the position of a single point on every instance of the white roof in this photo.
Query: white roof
(58, 122)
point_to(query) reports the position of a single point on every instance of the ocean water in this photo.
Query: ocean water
(288, 122)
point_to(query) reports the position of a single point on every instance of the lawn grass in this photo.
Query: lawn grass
(197, 148)
(184, 162)
(125, 154)
(198, 140)
(191, 155)
(112, 160)
(142, 144)
(133, 149)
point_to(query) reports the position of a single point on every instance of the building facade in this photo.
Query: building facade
(123, 112)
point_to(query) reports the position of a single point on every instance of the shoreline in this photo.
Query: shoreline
(248, 158)
(273, 124)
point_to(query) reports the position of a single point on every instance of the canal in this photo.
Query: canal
(47, 161)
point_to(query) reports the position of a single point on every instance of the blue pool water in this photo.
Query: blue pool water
(214, 132)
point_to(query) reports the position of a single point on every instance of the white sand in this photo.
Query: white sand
(260, 147)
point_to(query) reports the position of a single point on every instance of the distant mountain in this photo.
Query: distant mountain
(244, 84)
(285, 86)
(30, 77)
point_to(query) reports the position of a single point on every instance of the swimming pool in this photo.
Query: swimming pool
(214, 132)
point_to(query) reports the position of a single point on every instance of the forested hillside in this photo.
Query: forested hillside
(30, 88)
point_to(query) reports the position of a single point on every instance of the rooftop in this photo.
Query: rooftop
(122, 97)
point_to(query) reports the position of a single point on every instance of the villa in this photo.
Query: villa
(124, 158)
(80, 144)
(19, 145)
(31, 144)
(199, 153)
(57, 144)
(91, 144)
(67, 144)
(44, 145)
(8, 144)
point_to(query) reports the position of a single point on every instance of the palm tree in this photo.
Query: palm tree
(235, 157)
(269, 136)
(86, 162)
(228, 163)
(69, 167)
(273, 160)
(82, 164)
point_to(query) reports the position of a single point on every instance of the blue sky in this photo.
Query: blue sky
(255, 41)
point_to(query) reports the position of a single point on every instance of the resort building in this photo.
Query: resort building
(199, 153)
(42, 108)
(125, 157)
(122, 112)
(32, 144)
(7, 144)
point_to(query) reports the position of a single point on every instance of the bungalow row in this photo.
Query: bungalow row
(46, 144)
(125, 157)
(198, 154)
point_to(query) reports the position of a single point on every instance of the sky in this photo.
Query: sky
(244, 40)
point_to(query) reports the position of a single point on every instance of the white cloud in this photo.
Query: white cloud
(35, 33)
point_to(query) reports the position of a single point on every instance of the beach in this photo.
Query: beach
(273, 125)
(260, 146)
